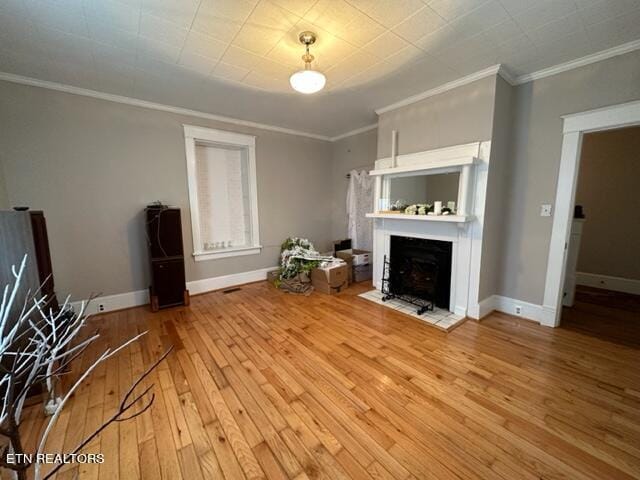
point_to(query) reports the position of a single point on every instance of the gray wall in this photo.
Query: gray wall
(461, 115)
(608, 191)
(93, 165)
(537, 137)
(356, 151)
(4, 196)
(493, 239)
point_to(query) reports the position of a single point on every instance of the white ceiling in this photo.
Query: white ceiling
(234, 57)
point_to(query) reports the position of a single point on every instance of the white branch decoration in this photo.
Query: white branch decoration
(36, 348)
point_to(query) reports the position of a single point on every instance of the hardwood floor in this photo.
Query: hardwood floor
(605, 314)
(268, 385)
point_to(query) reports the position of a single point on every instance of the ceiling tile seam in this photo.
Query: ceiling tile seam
(244, 22)
(300, 18)
(359, 48)
(524, 34)
(386, 30)
(184, 43)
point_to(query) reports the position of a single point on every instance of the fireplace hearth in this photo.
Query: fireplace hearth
(418, 271)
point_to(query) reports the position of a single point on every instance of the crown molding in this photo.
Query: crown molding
(354, 132)
(487, 72)
(519, 80)
(579, 62)
(506, 75)
(34, 82)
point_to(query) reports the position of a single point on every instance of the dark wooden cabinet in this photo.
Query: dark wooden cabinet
(25, 233)
(166, 256)
(43, 258)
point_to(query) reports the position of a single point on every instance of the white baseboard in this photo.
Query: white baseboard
(539, 313)
(137, 298)
(482, 309)
(225, 281)
(118, 301)
(617, 284)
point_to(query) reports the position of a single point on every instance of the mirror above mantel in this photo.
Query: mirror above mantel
(436, 185)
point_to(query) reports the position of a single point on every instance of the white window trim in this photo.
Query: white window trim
(194, 134)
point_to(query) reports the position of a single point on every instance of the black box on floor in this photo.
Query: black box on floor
(341, 245)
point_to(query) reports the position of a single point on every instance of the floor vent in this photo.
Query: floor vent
(231, 290)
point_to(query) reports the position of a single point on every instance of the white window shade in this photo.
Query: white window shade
(222, 191)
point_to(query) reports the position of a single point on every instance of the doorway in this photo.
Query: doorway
(575, 126)
(602, 281)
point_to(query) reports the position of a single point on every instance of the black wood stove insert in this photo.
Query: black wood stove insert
(418, 271)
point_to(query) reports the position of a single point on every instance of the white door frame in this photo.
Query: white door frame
(575, 126)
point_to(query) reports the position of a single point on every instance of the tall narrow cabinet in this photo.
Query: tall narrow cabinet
(166, 257)
(25, 233)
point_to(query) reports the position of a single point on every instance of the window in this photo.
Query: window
(221, 171)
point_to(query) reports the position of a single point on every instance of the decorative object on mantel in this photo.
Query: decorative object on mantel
(399, 206)
(417, 209)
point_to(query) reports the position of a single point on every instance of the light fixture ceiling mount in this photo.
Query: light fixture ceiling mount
(308, 80)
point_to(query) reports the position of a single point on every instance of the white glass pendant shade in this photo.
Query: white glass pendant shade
(307, 81)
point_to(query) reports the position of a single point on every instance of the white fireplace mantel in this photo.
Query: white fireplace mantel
(464, 230)
(460, 158)
(422, 163)
(423, 218)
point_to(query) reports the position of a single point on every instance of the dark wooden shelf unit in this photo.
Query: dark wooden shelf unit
(166, 256)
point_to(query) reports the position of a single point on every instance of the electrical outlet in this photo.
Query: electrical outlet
(100, 307)
(518, 310)
(545, 210)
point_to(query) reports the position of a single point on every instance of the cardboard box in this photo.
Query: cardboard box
(331, 279)
(349, 261)
(358, 257)
(362, 273)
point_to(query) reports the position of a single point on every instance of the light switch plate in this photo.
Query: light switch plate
(545, 210)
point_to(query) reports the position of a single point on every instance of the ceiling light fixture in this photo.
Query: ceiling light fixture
(307, 81)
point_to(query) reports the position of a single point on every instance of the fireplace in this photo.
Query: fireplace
(419, 271)
(457, 276)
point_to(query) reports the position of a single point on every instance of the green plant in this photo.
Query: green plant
(297, 255)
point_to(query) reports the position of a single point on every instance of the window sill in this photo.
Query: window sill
(228, 252)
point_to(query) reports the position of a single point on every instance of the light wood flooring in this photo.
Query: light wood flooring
(268, 385)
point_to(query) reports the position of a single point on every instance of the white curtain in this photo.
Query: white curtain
(360, 202)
